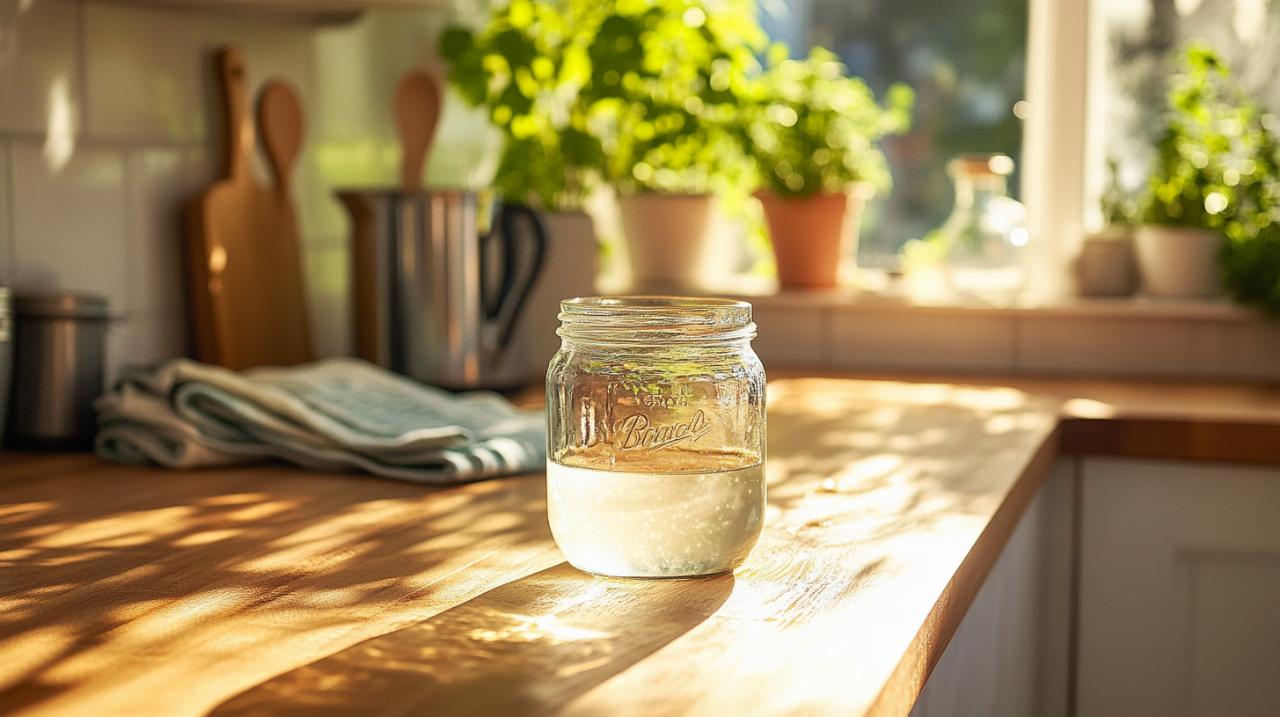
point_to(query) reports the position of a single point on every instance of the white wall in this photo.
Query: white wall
(108, 124)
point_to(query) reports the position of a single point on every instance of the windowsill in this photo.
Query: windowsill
(879, 328)
(876, 292)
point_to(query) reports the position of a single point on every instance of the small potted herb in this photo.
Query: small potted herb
(1105, 264)
(667, 79)
(813, 138)
(1205, 152)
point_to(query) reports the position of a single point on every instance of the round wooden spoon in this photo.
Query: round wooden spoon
(417, 110)
(280, 122)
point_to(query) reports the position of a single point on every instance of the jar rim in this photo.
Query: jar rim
(646, 319)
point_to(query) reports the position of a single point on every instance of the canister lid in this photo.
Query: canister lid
(61, 305)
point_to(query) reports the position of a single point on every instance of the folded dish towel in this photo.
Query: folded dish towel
(338, 414)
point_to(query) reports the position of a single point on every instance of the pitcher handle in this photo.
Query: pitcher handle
(513, 290)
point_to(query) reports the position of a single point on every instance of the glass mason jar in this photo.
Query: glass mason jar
(655, 433)
(985, 237)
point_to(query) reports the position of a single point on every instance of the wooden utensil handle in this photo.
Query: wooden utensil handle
(417, 109)
(239, 129)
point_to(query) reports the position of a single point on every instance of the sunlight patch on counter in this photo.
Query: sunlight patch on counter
(1088, 408)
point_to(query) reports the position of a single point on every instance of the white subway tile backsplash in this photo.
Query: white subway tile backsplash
(143, 342)
(161, 181)
(273, 48)
(142, 77)
(326, 272)
(367, 58)
(39, 61)
(69, 223)
(1104, 346)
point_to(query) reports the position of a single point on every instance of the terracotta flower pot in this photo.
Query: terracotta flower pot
(807, 234)
(667, 237)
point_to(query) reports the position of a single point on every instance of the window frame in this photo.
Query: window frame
(1060, 59)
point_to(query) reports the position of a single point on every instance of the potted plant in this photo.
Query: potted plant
(667, 78)
(649, 85)
(1105, 265)
(1206, 151)
(665, 188)
(813, 138)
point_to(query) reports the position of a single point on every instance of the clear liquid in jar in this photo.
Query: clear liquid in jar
(655, 524)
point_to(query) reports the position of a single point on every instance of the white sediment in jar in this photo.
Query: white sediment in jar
(656, 524)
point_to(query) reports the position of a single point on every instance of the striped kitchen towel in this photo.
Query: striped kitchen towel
(332, 415)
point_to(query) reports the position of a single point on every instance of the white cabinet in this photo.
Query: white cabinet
(1179, 590)
(1177, 599)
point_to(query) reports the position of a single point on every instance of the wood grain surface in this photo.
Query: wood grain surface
(244, 265)
(266, 590)
(417, 106)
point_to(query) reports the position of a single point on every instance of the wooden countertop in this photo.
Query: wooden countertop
(127, 591)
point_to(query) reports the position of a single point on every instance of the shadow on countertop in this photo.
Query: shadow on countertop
(527, 647)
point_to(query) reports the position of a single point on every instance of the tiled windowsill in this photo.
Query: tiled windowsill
(1127, 307)
(853, 329)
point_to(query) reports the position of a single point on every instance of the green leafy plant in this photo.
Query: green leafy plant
(528, 66)
(1251, 256)
(670, 77)
(1119, 207)
(813, 130)
(1218, 167)
(1206, 155)
(641, 93)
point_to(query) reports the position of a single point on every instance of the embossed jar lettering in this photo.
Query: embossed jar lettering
(637, 432)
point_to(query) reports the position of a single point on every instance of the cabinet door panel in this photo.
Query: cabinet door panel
(1179, 589)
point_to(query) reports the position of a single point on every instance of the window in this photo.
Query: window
(965, 59)
(1137, 45)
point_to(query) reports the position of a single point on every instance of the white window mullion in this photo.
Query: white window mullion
(1054, 146)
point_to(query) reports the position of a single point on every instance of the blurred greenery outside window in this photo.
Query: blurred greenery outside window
(965, 59)
(1140, 43)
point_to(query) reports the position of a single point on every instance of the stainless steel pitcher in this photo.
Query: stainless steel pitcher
(438, 282)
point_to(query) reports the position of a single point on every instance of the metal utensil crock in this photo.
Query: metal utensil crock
(59, 350)
(436, 294)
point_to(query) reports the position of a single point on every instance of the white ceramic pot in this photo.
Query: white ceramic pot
(568, 271)
(1178, 262)
(1105, 265)
(667, 237)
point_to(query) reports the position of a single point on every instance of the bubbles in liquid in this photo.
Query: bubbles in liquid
(651, 524)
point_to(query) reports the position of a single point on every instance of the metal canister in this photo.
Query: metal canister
(58, 361)
(6, 354)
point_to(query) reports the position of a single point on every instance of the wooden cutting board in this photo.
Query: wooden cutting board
(246, 284)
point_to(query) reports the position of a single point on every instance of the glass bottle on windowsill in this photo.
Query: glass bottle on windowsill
(985, 239)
